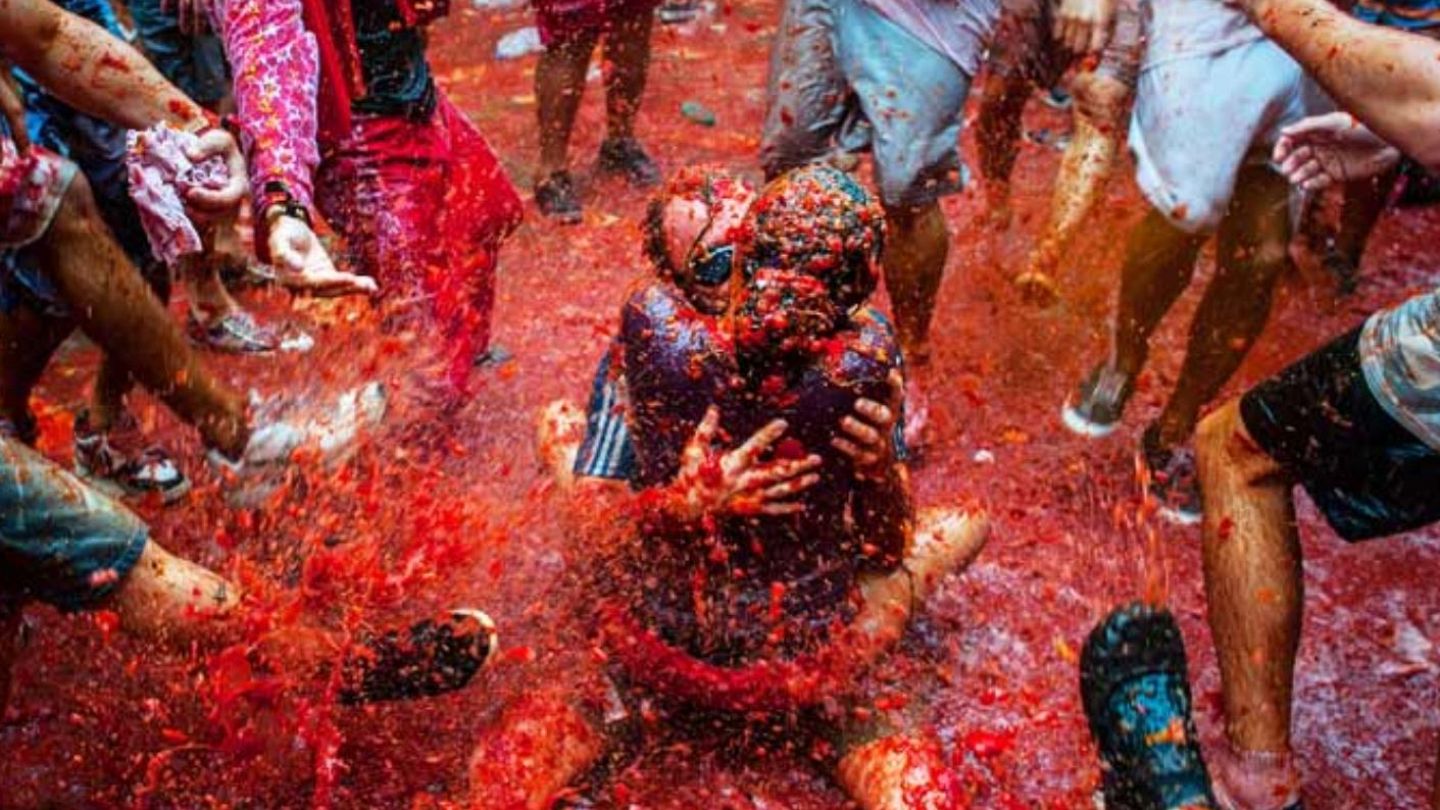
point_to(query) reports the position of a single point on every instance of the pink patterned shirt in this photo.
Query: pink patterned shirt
(276, 65)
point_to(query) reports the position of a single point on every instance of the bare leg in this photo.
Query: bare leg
(997, 133)
(170, 599)
(1251, 256)
(539, 746)
(1101, 107)
(919, 243)
(559, 85)
(1434, 796)
(1255, 591)
(117, 310)
(946, 541)
(627, 51)
(1361, 205)
(1159, 263)
(27, 340)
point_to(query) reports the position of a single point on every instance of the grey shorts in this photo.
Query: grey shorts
(61, 542)
(843, 77)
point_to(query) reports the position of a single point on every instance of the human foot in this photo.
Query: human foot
(558, 433)
(626, 158)
(1174, 479)
(557, 198)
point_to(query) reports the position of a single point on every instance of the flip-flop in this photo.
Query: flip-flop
(1134, 684)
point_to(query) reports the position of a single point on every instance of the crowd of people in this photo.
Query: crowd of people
(741, 469)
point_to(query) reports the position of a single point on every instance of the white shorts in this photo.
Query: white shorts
(1199, 119)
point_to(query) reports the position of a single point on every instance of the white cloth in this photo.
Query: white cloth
(1198, 120)
(1176, 29)
(161, 174)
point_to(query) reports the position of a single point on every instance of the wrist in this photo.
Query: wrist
(276, 200)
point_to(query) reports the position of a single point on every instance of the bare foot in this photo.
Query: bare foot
(946, 541)
(902, 772)
(558, 432)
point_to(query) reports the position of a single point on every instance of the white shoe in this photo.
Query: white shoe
(334, 432)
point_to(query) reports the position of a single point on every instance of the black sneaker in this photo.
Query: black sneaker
(1174, 479)
(1094, 410)
(432, 658)
(557, 199)
(626, 157)
(1136, 691)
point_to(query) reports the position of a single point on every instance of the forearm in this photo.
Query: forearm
(1389, 80)
(83, 65)
(276, 66)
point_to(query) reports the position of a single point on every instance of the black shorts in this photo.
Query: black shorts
(1370, 475)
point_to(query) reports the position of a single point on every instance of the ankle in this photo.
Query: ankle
(1256, 780)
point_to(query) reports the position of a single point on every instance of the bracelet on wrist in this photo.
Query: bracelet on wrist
(276, 197)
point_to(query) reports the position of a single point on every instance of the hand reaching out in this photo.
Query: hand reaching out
(1317, 152)
(303, 266)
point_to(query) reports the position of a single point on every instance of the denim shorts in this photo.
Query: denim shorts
(61, 541)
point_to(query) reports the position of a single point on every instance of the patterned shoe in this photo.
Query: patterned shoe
(1174, 480)
(1136, 692)
(432, 657)
(148, 472)
(233, 333)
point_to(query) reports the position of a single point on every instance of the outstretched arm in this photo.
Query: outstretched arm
(83, 65)
(1388, 79)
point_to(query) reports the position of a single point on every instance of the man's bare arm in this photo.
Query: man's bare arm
(83, 65)
(1388, 79)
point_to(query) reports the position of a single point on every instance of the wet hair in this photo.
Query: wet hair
(811, 245)
(707, 184)
(817, 221)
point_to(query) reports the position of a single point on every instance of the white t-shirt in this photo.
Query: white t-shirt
(1179, 29)
(1400, 353)
(957, 28)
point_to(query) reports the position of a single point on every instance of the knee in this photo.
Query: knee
(1216, 437)
(1227, 456)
